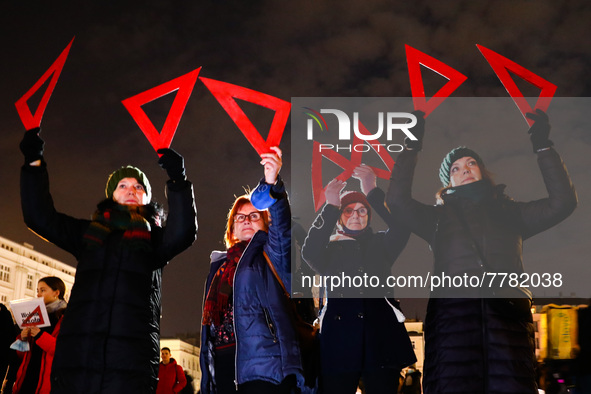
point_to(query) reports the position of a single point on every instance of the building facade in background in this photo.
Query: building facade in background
(21, 267)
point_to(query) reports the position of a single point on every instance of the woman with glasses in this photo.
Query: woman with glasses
(248, 344)
(362, 335)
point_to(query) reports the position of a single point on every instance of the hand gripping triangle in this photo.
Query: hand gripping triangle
(416, 58)
(225, 94)
(347, 165)
(29, 120)
(184, 84)
(501, 64)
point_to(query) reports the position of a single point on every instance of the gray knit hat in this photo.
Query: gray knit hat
(127, 172)
(451, 157)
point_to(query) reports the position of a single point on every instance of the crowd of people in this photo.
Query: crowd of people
(105, 339)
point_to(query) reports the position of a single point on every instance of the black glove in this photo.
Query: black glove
(538, 133)
(418, 131)
(173, 163)
(32, 145)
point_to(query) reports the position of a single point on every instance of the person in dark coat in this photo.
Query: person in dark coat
(33, 375)
(188, 389)
(109, 339)
(9, 361)
(412, 381)
(248, 342)
(362, 334)
(474, 343)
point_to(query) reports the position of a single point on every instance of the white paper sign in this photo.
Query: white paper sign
(30, 312)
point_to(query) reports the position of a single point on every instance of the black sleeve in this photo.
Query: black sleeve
(419, 217)
(181, 225)
(40, 215)
(314, 250)
(398, 233)
(542, 214)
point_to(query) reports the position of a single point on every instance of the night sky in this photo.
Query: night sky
(285, 49)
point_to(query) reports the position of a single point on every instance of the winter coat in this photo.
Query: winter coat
(109, 340)
(171, 378)
(266, 345)
(46, 341)
(359, 333)
(9, 361)
(471, 345)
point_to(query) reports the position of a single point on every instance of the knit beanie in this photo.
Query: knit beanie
(352, 197)
(127, 172)
(451, 157)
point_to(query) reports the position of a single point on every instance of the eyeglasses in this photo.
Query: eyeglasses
(252, 217)
(348, 212)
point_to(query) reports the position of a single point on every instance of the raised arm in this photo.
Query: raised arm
(542, 214)
(37, 205)
(315, 245)
(397, 234)
(420, 218)
(181, 225)
(271, 194)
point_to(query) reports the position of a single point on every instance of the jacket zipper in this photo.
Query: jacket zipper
(270, 325)
(234, 313)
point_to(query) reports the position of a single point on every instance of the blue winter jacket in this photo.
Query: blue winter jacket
(266, 344)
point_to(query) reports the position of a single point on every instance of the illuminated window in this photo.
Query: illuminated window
(4, 273)
(30, 282)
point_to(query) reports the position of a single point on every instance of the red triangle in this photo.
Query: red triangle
(501, 64)
(36, 313)
(29, 120)
(184, 84)
(347, 165)
(225, 94)
(380, 151)
(416, 58)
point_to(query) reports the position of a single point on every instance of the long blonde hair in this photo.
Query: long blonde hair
(229, 237)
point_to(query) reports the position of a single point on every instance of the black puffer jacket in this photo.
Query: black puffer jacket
(359, 330)
(109, 339)
(472, 347)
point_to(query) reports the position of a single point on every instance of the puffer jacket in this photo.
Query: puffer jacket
(472, 346)
(114, 308)
(266, 345)
(359, 333)
(171, 378)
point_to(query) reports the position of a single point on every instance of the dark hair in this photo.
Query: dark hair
(165, 348)
(56, 284)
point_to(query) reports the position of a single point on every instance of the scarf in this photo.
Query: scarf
(222, 286)
(132, 219)
(56, 306)
(475, 191)
(355, 234)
